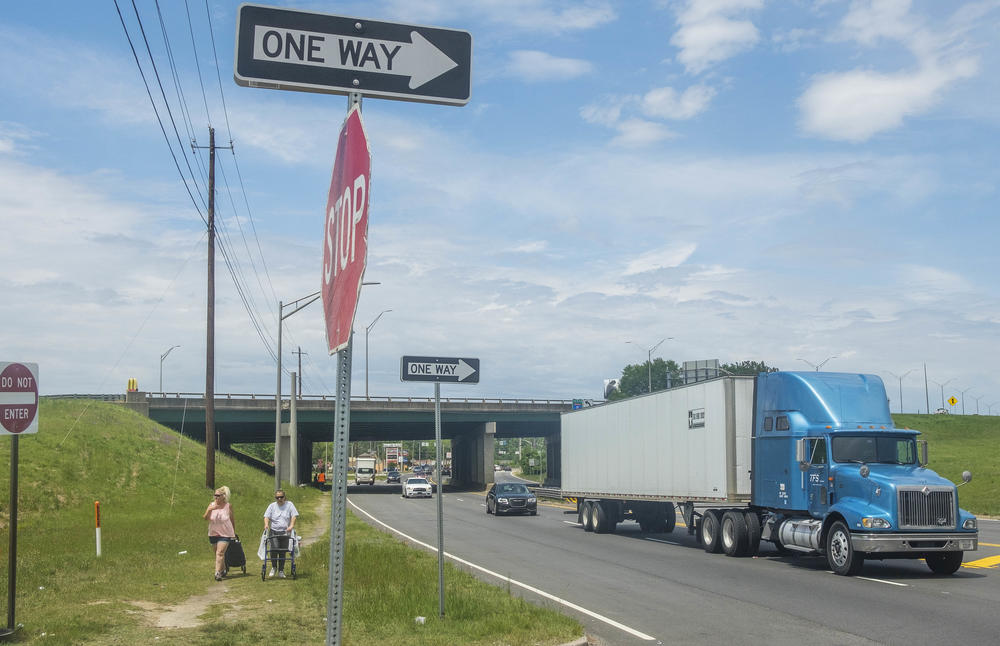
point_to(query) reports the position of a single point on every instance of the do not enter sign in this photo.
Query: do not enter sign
(18, 398)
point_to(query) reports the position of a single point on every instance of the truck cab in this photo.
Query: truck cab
(832, 474)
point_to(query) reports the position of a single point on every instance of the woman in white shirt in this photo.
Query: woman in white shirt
(279, 521)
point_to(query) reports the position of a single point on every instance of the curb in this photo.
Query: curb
(578, 642)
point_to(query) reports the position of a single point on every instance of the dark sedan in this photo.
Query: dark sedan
(510, 497)
(392, 476)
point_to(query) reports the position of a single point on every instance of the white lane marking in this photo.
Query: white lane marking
(505, 579)
(902, 585)
(660, 540)
(573, 523)
(458, 499)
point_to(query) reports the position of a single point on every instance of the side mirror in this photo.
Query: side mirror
(864, 470)
(966, 478)
(922, 452)
(802, 453)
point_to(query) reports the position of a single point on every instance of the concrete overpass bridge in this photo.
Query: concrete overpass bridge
(472, 424)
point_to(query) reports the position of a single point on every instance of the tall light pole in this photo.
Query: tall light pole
(649, 363)
(162, 357)
(977, 402)
(367, 330)
(963, 398)
(942, 389)
(820, 364)
(901, 377)
(277, 397)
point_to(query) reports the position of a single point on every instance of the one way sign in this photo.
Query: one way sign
(286, 49)
(440, 369)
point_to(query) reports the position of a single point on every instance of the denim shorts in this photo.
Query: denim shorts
(215, 539)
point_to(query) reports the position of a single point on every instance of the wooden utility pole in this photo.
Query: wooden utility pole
(210, 323)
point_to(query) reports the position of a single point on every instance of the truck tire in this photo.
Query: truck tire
(840, 554)
(753, 532)
(708, 531)
(734, 533)
(579, 512)
(668, 517)
(588, 516)
(603, 523)
(944, 562)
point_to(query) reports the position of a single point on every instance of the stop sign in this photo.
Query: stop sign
(345, 239)
(18, 398)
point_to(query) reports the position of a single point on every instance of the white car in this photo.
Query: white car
(417, 488)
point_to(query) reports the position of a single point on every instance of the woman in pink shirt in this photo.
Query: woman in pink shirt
(221, 528)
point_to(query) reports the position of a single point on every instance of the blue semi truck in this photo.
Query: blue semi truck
(808, 461)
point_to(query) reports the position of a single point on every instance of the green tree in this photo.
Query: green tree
(636, 378)
(747, 368)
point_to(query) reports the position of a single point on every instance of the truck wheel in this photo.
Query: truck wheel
(579, 512)
(840, 554)
(944, 562)
(588, 516)
(709, 529)
(602, 519)
(670, 517)
(734, 533)
(753, 532)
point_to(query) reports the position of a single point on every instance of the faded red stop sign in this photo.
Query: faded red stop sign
(345, 237)
(19, 398)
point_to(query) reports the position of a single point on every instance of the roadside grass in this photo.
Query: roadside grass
(957, 443)
(156, 557)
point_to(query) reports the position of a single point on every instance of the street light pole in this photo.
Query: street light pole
(901, 385)
(277, 397)
(367, 330)
(977, 402)
(649, 363)
(963, 398)
(820, 364)
(942, 389)
(162, 357)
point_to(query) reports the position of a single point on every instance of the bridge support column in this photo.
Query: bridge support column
(553, 461)
(285, 453)
(472, 457)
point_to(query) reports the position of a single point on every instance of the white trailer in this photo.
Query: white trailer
(632, 459)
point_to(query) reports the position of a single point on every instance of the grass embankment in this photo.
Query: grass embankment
(151, 484)
(957, 443)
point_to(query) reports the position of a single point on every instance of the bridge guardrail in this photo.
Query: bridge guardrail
(330, 398)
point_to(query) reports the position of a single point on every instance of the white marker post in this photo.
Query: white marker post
(97, 524)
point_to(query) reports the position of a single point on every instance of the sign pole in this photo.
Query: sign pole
(440, 497)
(341, 447)
(12, 565)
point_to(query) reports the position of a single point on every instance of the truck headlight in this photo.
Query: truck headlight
(871, 522)
(970, 523)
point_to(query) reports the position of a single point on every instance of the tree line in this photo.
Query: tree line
(660, 374)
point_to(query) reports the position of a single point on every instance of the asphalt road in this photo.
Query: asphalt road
(635, 588)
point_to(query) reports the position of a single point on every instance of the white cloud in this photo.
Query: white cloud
(854, 106)
(533, 246)
(857, 104)
(710, 32)
(639, 132)
(670, 256)
(547, 16)
(534, 66)
(666, 103)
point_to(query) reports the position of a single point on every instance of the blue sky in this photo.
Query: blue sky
(771, 181)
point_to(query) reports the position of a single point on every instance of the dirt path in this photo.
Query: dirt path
(186, 613)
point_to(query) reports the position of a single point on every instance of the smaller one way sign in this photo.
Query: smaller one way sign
(440, 369)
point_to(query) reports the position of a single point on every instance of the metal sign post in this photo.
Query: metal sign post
(338, 510)
(18, 416)
(439, 369)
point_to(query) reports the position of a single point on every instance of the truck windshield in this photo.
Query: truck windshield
(886, 450)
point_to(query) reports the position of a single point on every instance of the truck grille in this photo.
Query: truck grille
(927, 508)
